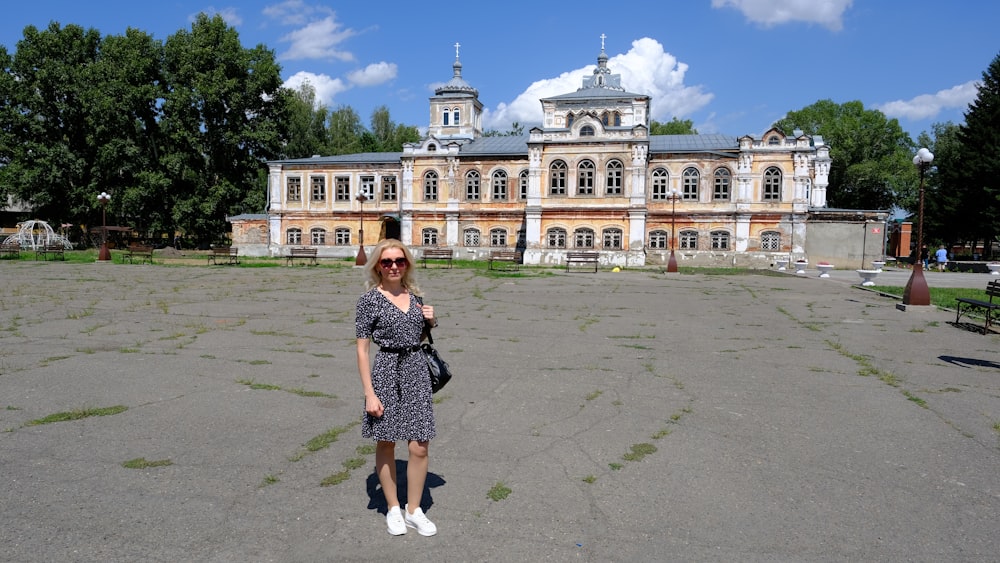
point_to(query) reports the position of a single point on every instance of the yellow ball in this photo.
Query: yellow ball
(616, 269)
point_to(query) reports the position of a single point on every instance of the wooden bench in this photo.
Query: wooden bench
(307, 253)
(992, 290)
(138, 252)
(10, 250)
(510, 258)
(581, 258)
(56, 250)
(229, 254)
(437, 254)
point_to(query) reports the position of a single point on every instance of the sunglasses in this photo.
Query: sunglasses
(388, 262)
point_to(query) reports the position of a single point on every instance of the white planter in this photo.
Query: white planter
(868, 277)
(824, 270)
(800, 268)
(782, 264)
(878, 265)
(994, 268)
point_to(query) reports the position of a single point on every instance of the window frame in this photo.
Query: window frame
(722, 184)
(658, 239)
(558, 176)
(430, 185)
(586, 173)
(687, 239)
(499, 191)
(293, 192)
(342, 236)
(690, 184)
(473, 186)
(293, 235)
(558, 234)
(659, 185)
(317, 188)
(771, 184)
(429, 236)
(583, 237)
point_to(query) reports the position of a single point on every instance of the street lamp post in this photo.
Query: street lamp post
(916, 291)
(362, 258)
(674, 195)
(104, 255)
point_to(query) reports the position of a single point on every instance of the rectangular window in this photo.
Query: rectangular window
(343, 188)
(342, 237)
(689, 240)
(498, 237)
(613, 238)
(318, 236)
(368, 187)
(614, 181)
(522, 187)
(318, 184)
(585, 182)
(430, 188)
(429, 237)
(295, 189)
(389, 188)
(499, 187)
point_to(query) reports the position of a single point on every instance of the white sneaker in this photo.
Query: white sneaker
(394, 519)
(419, 522)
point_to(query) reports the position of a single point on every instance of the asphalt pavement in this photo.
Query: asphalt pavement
(630, 416)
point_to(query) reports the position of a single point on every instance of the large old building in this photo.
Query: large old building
(590, 176)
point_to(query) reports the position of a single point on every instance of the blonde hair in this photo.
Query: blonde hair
(374, 271)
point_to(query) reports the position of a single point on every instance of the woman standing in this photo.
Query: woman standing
(397, 386)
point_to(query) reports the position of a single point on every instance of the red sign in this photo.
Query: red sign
(875, 231)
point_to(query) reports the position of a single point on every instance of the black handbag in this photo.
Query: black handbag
(438, 368)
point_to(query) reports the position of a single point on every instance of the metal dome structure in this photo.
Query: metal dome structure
(37, 234)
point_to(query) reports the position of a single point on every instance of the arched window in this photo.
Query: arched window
(612, 238)
(688, 240)
(431, 186)
(293, 236)
(583, 238)
(658, 239)
(586, 131)
(556, 237)
(659, 187)
(613, 180)
(429, 236)
(720, 240)
(522, 185)
(689, 183)
(471, 237)
(445, 116)
(557, 178)
(342, 236)
(772, 184)
(569, 119)
(498, 237)
(773, 140)
(722, 182)
(472, 192)
(604, 118)
(585, 178)
(499, 186)
(318, 236)
(770, 240)
(618, 119)
(455, 117)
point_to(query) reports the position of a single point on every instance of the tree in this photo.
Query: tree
(50, 150)
(980, 158)
(306, 122)
(516, 130)
(389, 137)
(345, 129)
(943, 210)
(221, 124)
(672, 127)
(872, 156)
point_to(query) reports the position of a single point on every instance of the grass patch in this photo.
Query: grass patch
(593, 395)
(354, 463)
(589, 479)
(639, 451)
(615, 466)
(367, 449)
(77, 415)
(335, 479)
(143, 463)
(498, 492)
(940, 296)
(269, 480)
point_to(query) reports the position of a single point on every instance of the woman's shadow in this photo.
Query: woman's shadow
(376, 500)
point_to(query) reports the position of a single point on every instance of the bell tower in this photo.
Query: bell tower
(456, 112)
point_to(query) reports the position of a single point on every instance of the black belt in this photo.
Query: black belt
(400, 351)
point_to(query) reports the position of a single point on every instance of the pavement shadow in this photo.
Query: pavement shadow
(376, 500)
(969, 362)
(971, 327)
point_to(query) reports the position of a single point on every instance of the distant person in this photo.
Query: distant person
(177, 242)
(925, 256)
(941, 256)
(397, 384)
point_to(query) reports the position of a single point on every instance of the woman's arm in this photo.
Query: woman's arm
(373, 405)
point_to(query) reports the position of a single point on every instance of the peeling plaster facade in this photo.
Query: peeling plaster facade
(590, 177)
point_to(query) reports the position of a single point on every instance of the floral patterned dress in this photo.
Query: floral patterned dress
(399, 375)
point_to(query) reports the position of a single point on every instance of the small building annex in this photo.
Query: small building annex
(590, 176)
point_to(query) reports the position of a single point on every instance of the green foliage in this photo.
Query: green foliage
(672, 127)
(516, 130)
(872, 156)
(979, 143)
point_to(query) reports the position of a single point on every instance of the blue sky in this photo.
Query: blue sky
(730, 66)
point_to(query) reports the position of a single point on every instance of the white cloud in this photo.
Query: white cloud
(645, 69)
(230, 15)
(828, 13)
(927, 106)
(373, 74)
(318, 40)
(295, 12)
(326, 87)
